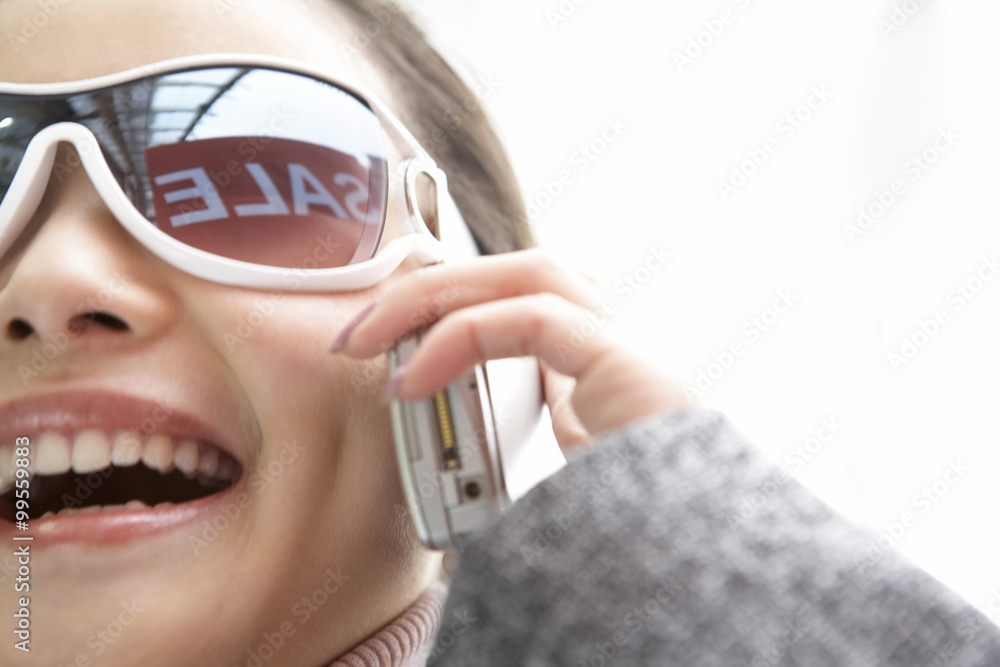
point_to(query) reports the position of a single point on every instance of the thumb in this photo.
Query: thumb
(569, 431)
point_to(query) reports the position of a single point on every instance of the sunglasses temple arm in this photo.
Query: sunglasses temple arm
(456, 235)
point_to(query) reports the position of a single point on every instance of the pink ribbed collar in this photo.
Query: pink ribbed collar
(406, 641)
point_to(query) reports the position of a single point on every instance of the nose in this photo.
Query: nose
(75, 275)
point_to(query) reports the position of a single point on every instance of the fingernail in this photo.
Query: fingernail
(392, 385)
(345, 333)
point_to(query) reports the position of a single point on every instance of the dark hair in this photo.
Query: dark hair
(436, 108)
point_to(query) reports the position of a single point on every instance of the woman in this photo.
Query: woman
(627, 554)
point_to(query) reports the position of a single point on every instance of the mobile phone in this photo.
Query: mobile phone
(469, 451)
(476, 446)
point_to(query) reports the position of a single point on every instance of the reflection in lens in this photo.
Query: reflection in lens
(251, 164)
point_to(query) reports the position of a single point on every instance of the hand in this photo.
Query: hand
(513, 305)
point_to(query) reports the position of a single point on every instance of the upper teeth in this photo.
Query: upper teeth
(90, 450)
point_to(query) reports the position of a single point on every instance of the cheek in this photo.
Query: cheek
(342, 495)
(277, 347)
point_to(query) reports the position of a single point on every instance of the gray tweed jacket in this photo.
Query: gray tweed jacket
(673, 542)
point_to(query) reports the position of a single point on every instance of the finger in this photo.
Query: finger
(592, 280)
(613, 386)
(428, 294)
(569, 431)
(537, 325)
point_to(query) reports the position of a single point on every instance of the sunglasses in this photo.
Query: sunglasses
(242, 170)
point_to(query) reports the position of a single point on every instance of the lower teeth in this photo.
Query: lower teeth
(95, 509)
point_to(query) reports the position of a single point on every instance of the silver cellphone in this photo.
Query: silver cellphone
(476, 446)
(448, 456)
(473, 448)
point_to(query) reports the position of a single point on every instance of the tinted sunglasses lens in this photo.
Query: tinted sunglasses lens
(250, 164)
(15, 133)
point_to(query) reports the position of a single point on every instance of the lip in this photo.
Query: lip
(112, 527)
(108, 410)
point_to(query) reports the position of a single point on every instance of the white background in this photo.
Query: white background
(657, 185)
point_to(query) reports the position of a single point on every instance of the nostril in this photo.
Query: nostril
(81, 322)
(109, 321)
(18, 329)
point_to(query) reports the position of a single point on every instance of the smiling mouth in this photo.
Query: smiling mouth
(98, 471)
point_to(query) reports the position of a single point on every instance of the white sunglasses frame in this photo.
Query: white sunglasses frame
(31, 179)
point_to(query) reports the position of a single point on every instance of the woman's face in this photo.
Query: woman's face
(309, 541)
